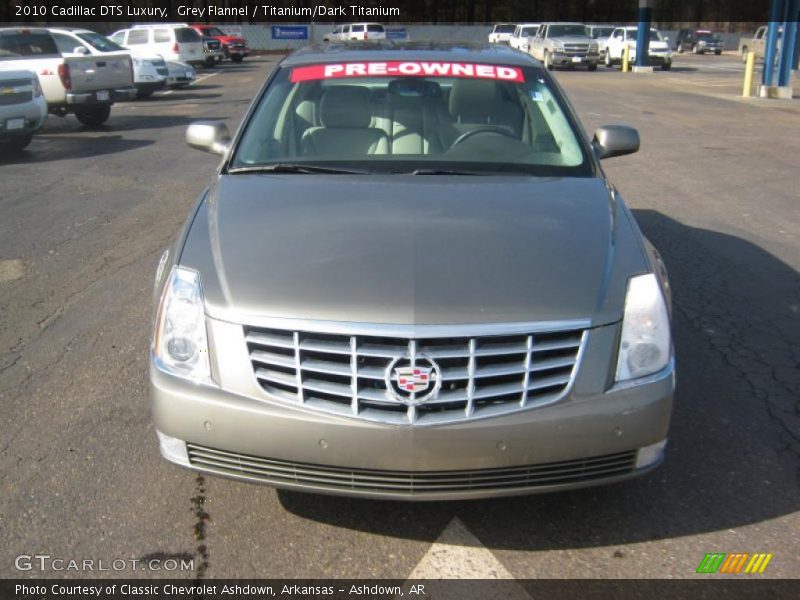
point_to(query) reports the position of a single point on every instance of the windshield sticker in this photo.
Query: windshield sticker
(406, 69)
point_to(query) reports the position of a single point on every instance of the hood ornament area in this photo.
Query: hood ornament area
(413, 380)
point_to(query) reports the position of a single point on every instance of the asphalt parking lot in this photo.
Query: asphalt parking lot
(87, 213)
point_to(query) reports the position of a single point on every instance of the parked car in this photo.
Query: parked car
(501, 33)
(658, 51)
(212, 51)
(356, 32)
(85, 85)
(73, 41)
(149, 75)
(565, 44)
(600, 33)
(180, 74)
(522, 36)
(23, 108)
(699, 41)
(756, 43)
(171, 42)
(233, 47)
(350, 310)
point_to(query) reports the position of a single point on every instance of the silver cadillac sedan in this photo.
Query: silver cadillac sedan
(409, 278)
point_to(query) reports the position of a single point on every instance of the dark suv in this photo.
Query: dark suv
(699, 41)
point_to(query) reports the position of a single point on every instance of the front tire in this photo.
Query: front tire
(93, 117)
(16, 143)
(695, 50)
(237, 58)
(717, 52)
(547, 64)
(744, 54)
(680, 48)
(666, 66)
(607, 60)
(592, 67)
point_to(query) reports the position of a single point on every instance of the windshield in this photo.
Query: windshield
(601, 32)
(408, 116)
(504, 28)
(655, 36)
(184, 34)
(565, 30)
(213, 32)
(99, 42)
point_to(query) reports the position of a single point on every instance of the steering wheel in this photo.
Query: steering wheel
(479, 130)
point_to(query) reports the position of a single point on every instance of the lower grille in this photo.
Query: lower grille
(414, 381)
(411, 483)
(15, 98)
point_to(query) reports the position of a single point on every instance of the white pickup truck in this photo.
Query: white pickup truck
(84, 85)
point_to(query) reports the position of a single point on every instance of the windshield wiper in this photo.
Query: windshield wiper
(446, 172)
(294, 168)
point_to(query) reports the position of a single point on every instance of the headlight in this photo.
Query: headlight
(37, 88)
(180, 343)
(645, 345)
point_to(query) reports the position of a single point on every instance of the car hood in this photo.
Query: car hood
(412, 249)
(227, 39)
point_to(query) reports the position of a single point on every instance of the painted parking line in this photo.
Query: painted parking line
(203, 78)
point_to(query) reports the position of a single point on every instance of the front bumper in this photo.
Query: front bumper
(22, 119)
(588, 438)
(101, 96)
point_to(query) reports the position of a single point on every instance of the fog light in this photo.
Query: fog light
(650, 455)
(173, 449)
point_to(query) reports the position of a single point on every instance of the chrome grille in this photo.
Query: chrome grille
(411, 483)
(576, 48)
(15, 91)
(477, 376)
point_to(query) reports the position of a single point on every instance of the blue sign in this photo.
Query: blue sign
(290, 32)
(396, 33)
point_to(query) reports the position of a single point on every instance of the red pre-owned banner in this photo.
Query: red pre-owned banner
(407, 69)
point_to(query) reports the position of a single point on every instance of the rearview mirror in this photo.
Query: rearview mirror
(209, 136)
(615, 140)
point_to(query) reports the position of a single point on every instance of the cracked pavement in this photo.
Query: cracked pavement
(88, 213)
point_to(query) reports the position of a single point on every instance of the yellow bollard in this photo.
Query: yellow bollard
(626, 58)
(748, 74)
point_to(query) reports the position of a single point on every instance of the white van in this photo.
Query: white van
(172, 42)
(355, 32)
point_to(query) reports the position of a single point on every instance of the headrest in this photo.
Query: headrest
(345, 106)
(474, 98)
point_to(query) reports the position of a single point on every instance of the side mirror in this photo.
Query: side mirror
(209, 136)
(80, 50)
(666, 38)
(615, 140)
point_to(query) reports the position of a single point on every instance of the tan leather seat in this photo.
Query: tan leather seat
(345, 115)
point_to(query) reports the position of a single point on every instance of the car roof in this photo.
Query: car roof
(70, 30)
(562, 23)
(528, 24)
(409, 51)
